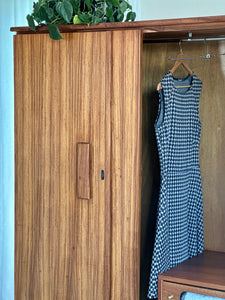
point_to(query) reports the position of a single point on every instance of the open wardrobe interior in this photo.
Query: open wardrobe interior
(87, 166)
(156, 63)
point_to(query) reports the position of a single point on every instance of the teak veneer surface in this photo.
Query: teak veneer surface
(205, 270)
(126, 164)
(62, 242)
(68, 247)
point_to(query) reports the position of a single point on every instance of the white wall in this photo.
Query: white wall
(168, 9)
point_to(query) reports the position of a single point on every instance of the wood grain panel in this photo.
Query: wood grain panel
(62, 243)
(174, 291)
(83, 170)
(205, 270)
(203, 274)
(212, 107)
(126, 164)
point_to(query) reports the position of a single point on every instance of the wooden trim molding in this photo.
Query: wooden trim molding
(215, 25)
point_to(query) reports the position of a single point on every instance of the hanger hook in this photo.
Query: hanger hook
(180, 46)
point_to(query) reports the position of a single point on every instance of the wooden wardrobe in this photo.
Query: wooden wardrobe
(86, 162)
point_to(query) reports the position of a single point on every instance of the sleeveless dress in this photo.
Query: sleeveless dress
(179, 226)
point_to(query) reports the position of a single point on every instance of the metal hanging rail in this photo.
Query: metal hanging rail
(190, 39)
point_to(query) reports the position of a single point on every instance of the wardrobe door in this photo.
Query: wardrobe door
(126, 163)
(62, 166)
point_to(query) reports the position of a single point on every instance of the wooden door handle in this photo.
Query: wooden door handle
(83, 170)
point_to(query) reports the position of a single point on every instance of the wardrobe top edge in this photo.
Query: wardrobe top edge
(213, 24)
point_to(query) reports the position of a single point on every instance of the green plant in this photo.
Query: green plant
(52, 13)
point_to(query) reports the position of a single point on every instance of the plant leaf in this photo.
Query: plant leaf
(76, 6)
(111, 19)
(96, 20)
(123, 6)
(131, 16)
(120, 16)
(36, 8)
(49, 12)
(43, 15)
(128, 5)
(65, 10)
(115, 3)
(88, 3)
(109, 12)
(98, 13)
(54, 32)
(42, 2)
(109, 3)
(30, 21)
(85, 18)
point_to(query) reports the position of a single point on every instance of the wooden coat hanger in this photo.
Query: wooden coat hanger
(178, 62)
(181, 62)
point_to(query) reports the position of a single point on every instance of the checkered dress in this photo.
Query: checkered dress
(179, 227)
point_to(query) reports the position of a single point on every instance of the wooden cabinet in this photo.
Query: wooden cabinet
(76, 234)
(204, 275)
(83, 164)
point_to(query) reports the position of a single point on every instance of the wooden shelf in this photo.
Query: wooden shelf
(205, 270)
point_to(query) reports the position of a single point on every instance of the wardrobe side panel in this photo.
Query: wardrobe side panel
(62, 98)
(150, 165)
(126, 163)
(212, 145)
